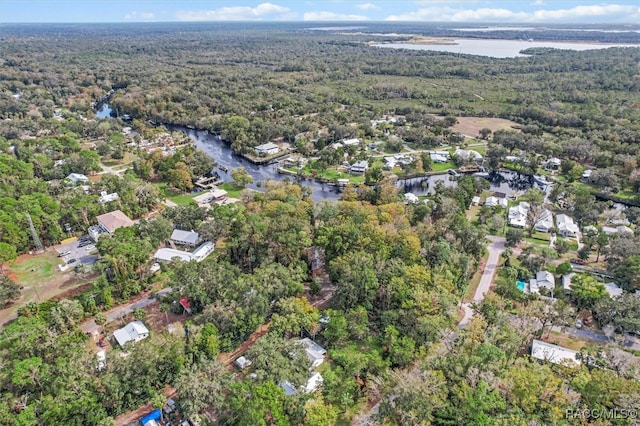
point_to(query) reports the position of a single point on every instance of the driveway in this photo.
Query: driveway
(495, 248)
(124, 310)
(81, 254)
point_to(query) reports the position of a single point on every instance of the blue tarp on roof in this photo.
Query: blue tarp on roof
(154, 415)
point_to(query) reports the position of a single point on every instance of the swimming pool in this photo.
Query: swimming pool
(521, 285)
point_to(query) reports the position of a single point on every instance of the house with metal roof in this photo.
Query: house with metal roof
(132, 332)
(185, 238)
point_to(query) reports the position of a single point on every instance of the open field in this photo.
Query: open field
(41, 280)
(471, 126)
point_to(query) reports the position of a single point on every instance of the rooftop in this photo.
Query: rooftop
(553, 353)
(187, 237)
(114, 220)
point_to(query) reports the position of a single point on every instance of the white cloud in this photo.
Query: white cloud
(604, 13)
(538, 3)
(139, 16)
(238, 13)
(330, 16)
(367, 6)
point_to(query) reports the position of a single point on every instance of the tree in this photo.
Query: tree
(586, 290)
(514, 237)
(561, 246)
(7, 254)
(241, 177)
(201, 386)
(319, 413)
(293, 316)
(484, 133)
(9, 290)
(277, 360)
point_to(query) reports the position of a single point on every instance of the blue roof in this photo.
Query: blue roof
(154, 415)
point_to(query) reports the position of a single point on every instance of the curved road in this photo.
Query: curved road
(495, 250)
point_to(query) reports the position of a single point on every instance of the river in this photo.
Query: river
(505, 182)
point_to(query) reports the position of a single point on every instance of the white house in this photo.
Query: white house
(552, 163)
(351, 142)
(101, 358)
(313, 384)
(390, 163)
(359, 167)
(204, 250)
(315, 353)
(613, 290)
(518, 215)
(185, 238)
(553, 353)
(410, 198)
(586, 175)
(566, 226)
(544, 222)
(444, 154)
(268, 148)
(166, 255)
(132, 332)
(77, 178)
(468, 155)
(437, 158)
(543, 279)
(475, 201)
(493, 201)
(106, 197)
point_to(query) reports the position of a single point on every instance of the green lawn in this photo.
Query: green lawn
(182, 199)
(232, 189)
(441, 167)
(36, 268)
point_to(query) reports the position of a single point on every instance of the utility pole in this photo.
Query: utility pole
(34, 234)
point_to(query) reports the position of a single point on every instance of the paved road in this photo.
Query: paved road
(121, 311)
(597, 337)
(495, 250)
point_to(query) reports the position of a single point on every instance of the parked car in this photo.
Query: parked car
(579, 323)
(577, 261)
(64, 253)
(84, 243)
(72, 260)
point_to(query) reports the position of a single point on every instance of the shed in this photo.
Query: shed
(242, 363)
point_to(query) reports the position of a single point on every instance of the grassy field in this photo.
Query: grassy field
(442, 167)
(232, 189)
(30, 270)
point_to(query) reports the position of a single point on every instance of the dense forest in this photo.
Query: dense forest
(396, 273)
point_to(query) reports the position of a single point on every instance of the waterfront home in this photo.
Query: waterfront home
(359, 167)
(496, 202)
(266, 149)
(410, 198)
(468, 155)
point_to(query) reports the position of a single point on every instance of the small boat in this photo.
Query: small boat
(453, 172)
(482, 175)
(223, 168)
(541, 180)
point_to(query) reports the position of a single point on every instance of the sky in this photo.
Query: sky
(499, 11)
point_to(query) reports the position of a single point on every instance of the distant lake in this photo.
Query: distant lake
(498, 48)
